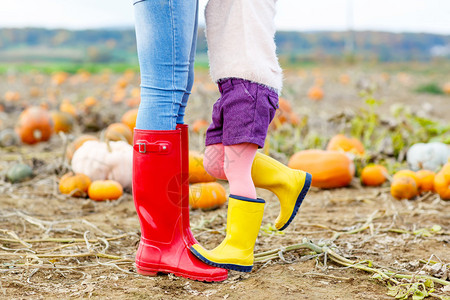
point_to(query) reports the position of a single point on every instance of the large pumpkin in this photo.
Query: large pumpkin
(100, 162)
(329, 169)
(34, 125)
(342, 143)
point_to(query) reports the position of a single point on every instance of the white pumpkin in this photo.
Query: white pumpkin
(95, 160)
(430, 156)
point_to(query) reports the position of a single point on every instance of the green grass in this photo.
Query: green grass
(48, 68)
(430, 88)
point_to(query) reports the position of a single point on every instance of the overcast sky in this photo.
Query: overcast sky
(386, 15)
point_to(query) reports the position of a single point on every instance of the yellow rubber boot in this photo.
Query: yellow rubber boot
(236, 250)
(289, 185)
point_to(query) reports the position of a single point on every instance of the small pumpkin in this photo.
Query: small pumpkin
(426, 178)
(59, 78)
(197, 172)
(34, 125)
(90, 101)
(62, 121)
(119, 132)
(19, 172)
(101, 190)
(129, 118)
(11, 96)
(315, 93)
(374, 175)
(68, 107)
(76, 185)
(207, 195)
(329, 169)
(404, 187)
(99, 161)
(408, 173)
(200, 126)
(442, 182)
(446, 88)
(342, 143)
(73, 146)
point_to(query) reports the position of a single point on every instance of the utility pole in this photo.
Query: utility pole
(350, 39)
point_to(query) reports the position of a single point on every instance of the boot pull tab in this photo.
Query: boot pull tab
(145, 147)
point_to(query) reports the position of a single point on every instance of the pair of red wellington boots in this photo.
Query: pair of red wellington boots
(161, 198)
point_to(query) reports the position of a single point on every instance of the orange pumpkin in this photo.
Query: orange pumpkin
(207, 195)
(442, 182)
(90, 101)
(200, 126)
(344, 79)
(133, 101)
(374, 175)
(315, 93)
(73, 146)
(446, 88)
(119, 132)
(408, 173)
(68, 107)
(197, 172)
(76, 185)
(35, 91)
(284, 105)
(59, 78)
(342, 143)
(62, 121)
(426, 179)
(129, 118)
(11, 96)
(329, 169)
(34, 125)
(404, 187)
(101, 190)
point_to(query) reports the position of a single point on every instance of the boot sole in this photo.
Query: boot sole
(154, 272)
(299, 201)
(223, 266)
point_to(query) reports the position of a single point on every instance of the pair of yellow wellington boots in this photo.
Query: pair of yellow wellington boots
(245, 214)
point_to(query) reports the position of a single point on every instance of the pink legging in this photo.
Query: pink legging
(232, 163)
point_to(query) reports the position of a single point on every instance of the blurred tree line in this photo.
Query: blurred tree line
(106, 45)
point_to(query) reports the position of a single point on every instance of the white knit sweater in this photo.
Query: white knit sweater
(240, 36)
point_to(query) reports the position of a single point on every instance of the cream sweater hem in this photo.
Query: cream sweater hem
(240, 36)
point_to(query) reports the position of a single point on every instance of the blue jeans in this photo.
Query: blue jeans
(166, 36)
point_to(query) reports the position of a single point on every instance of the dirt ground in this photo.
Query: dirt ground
(57, 247)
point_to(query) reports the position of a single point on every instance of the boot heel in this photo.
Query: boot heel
(146, 273)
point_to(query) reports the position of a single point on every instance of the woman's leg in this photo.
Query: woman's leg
(190, 81)
(164, 36)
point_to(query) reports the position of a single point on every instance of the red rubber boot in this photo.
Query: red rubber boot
(157, 198)
(189, 237)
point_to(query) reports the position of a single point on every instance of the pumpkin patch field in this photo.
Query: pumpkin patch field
(375, 224)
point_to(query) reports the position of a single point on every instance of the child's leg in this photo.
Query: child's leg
(213, 161)
(238, 169)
